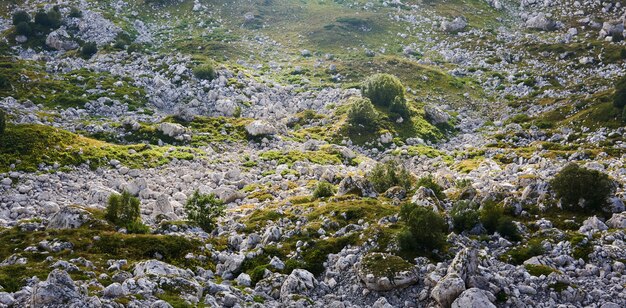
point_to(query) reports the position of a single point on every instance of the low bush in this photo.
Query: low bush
(389, 174)
(3, 122)
(508, 229)
(424, 230)
(76, 12)
(464, 215)
(382, 89)
(124, 211)
(323, 190)
(582, 189)
(520, 254)
(20, 17)
(362, 114)
(88, 50)
(23, 28)
(619, 98)
(490, 215)
(50, 19)
(203, 210)
(205, 72)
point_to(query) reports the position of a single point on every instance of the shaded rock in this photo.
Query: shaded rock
(617, 221)
(356, 185)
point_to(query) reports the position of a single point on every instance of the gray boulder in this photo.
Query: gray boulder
(57, 291)
(473, 298)
(447, 290)
(158, 268)
(70, 217)
(356, 185)
(260, 128)
(435, 115)
(541, 22)
(60, 40)
(617, 221)
(593, 224)
(455, 25)
(299, 282)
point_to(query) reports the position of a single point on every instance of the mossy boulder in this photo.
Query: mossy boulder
(384, 272)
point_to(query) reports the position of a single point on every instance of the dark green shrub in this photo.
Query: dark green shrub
(464, 215)
(20, 16)
(619, 98)
(389, 174)
(123, 210)
(323, 190)
(624, 115)
(382, 89)
(5, 83)
(3, 122)
(429, 182)
(582, 189)
(400, 107)
(76, 12)
(205, 72)
(490, 215)
(203, 210)
(88, 50)
(508, 229)
(362, 114)
(50, 19)
(23, 28)
(424, 229)
(518, 255)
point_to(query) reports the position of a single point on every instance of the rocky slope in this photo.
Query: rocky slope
(502, 95)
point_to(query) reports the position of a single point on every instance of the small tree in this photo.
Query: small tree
(582, 189)
(400, 107)
(3, 122)
(464, 215)
(76, 12)
(619, 98)
(50, 19)
(323, 190)
(382, 89)
(88, 50)
(124, 210)
(205, 72)
(20, 16)
(362, 114)
(389, 174)
(204, 210)
(23, 28)
(490, 215)
(424, 229)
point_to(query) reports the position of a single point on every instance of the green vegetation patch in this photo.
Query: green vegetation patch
(29, 145)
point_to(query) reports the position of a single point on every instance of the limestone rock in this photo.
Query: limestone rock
(473, 298)
(69, 217)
